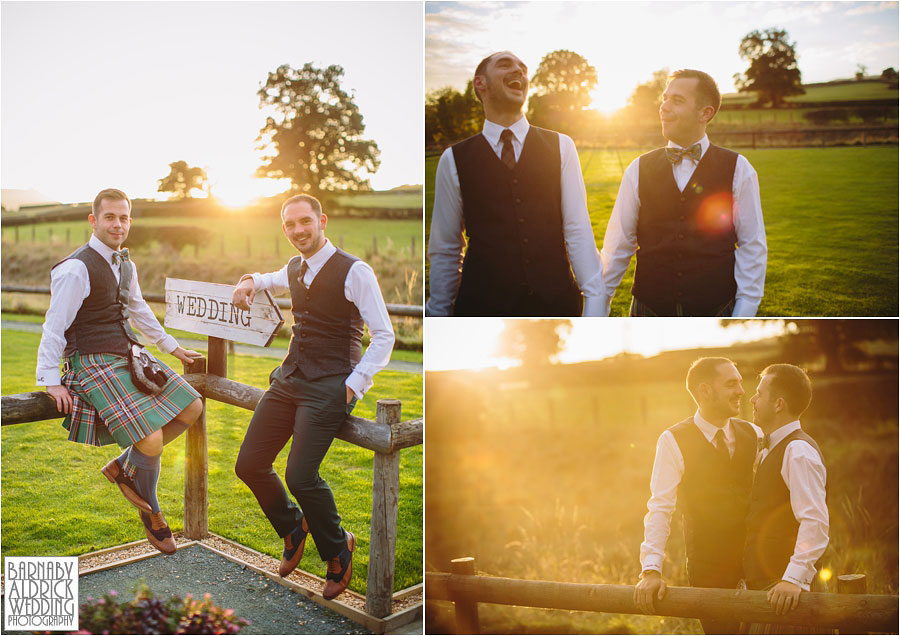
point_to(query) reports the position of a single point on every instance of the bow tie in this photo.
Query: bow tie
(675, 155)
(118, 257)
(764, 442)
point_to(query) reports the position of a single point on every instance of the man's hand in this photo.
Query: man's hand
(186, 355)
(243, 294)
(784, 597)
(350, 394)
(652, 585)
(62, 396)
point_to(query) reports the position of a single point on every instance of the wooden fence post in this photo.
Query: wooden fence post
(196, 466)
(383, 530)
(851, 584)
(466, 611)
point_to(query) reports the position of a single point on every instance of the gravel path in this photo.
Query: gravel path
(271, 608)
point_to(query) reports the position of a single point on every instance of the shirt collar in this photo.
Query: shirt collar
(318, 259)
(779, 434)
(704, 145)
(709, 430)
(492, 131)
(101, 248)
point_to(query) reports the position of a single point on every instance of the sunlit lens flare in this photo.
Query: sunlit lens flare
(825, 574)
(714, 216)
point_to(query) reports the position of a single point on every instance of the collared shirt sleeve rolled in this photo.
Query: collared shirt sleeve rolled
(668, 469)
(143, 319)
(752, 250)
(804, 475)
(275, 282)
(446, 241)
(579, 236)
(361, 288)
(69, 286)
(620, 240)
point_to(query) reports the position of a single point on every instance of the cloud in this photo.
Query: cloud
(870, 7)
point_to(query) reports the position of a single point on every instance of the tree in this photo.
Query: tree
(773, 71)
(561, 91)
(316, 132)
(534, 342)
(182, 179)
(643, 105)
(451, 115)
(889, 74)
(861, 71)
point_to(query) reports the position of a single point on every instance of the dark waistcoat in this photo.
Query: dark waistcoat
(516, 261)
(686, 240)
(326, 337)
(101, 324)
(713, 496)
(771, 526)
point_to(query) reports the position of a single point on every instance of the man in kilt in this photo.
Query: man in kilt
(787, 524)
(94, 293)
(692, 213)
(317, 385)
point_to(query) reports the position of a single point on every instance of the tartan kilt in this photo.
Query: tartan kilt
(106, 406)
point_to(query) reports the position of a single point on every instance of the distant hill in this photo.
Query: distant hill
(12, 200)
(841, 90)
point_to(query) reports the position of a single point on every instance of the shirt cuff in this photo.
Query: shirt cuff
(652, 563)
(357, 383)
(596, 306)
(744, 308)
(167, 344)
(799, 574)
(48, 377)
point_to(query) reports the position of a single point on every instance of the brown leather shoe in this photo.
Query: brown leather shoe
(292, 554)
(340, 570)
(158, 532)
(114, 473)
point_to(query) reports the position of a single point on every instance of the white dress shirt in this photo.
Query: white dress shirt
(446, 241)
(804, 475)
(70, 284)
(668, 470)
(620, 241)
(361, 289)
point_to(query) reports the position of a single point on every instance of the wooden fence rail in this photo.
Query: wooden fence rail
(411, 311)
(387, 435)
(855, 613)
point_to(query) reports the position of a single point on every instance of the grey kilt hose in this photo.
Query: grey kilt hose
(106, 406)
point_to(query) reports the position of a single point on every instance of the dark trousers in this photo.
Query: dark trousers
(311, 412)
(703, 577)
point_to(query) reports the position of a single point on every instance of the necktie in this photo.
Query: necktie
(304, 267)
(675, 155)
(765, 442)
(507, 155)
(721, 448)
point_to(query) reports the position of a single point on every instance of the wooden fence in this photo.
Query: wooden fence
(853, 613)
(386, 436)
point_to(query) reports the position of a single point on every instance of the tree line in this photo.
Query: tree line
(561, 88)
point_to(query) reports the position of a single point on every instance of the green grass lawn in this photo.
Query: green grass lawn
(828, 92)
(56, 502)
(831, 226)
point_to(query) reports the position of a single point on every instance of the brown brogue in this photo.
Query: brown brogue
(340, 570)
(158, 532)
(292, 554)
(114, 473)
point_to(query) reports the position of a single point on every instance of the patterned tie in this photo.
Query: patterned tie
(721, 448)
(675, 155)
(507, 155)
(304, 267)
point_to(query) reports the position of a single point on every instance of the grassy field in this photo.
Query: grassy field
(55, 502)
(831, 226)
(540, 479)
(828, 92)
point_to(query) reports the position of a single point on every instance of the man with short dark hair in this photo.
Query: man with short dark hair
(517, 193)
(333, 294)
(692, 213)
(703, 464)
(93, 293)
(787, 524)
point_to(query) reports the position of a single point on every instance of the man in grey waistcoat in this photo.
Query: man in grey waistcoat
(333, 294)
